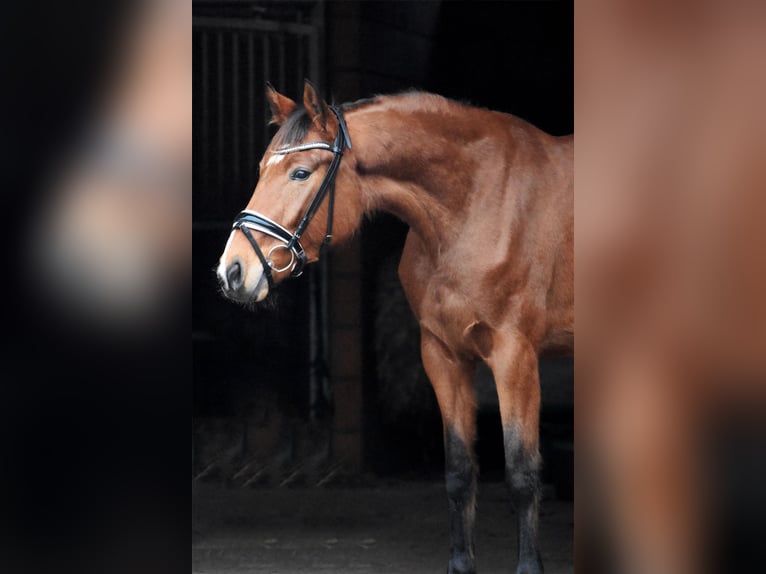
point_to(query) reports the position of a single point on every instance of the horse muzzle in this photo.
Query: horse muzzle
(241, 282)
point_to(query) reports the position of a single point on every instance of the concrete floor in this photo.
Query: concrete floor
(389, 527)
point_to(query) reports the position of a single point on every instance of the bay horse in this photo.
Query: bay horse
(487, 265)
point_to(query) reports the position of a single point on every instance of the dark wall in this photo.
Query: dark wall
(516, 57)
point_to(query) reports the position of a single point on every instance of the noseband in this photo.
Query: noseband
(291, 242)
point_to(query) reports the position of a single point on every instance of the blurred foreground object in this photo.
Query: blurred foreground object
(98, 133)
(671, 276)
(113, 239)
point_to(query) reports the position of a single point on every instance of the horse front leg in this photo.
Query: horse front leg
(452, 379)
(514, 365)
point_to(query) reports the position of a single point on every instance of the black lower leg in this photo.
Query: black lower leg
(522, 472)
(461, 493)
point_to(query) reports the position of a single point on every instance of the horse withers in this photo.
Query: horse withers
(487, 265)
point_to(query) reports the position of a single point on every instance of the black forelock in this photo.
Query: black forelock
(294, 130)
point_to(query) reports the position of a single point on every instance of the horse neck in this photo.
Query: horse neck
(411, 165)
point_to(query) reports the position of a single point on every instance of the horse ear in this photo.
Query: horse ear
(281, 106)
(315, 106)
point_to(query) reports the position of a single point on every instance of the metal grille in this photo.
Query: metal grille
(237, 48)
(233, 59)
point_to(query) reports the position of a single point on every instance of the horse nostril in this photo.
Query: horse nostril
(234, 276)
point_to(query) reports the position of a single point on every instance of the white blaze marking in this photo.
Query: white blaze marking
(221, 271)
(275, 159)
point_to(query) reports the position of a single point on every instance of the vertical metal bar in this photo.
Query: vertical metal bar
(300, 68)
(314, 48)
(319, 382)
(314, 356)
(313, 55)
(235, 108)
(219, 98)
(316, 43)
(267, 75)
(250, 106)
(281, 60)
(205, 110)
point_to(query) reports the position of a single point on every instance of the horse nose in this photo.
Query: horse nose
(234, 276)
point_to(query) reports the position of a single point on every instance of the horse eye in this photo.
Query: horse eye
(300, 174)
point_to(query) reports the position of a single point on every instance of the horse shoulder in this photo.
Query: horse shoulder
(414, 271)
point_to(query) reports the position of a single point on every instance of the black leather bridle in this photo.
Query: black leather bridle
(250, 220)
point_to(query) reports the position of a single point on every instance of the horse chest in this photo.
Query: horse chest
(435, 298)
(449, 315)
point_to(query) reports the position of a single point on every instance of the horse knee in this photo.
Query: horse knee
(460, 468)
(459, 483)
(524, 482)
(522, 466)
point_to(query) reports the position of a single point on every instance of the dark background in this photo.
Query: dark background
(253, 399)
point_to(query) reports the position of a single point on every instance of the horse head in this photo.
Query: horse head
(293, 211)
